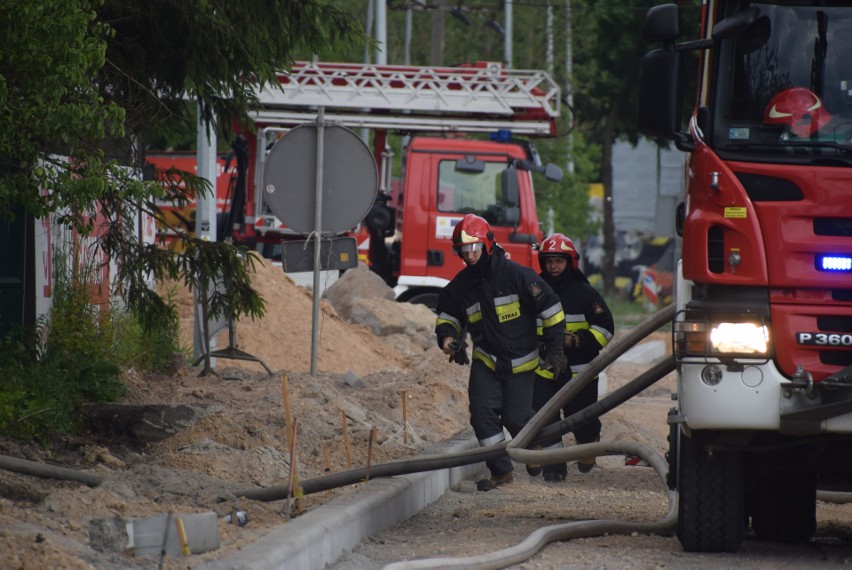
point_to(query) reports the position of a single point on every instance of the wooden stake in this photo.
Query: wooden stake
(346, 439)
(370, 453)
(405, 417)
(288, 433)
(181, 531)
(294, 475)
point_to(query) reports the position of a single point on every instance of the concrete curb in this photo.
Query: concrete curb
(320, 537)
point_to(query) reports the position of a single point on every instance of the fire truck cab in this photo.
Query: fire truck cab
(762, 336)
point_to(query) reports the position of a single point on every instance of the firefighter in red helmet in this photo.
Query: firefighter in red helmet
(587, 329)
(499, 304)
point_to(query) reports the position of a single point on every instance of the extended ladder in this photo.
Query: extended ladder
(480, 98)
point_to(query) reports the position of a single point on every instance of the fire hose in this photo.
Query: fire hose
(530, 433)
(516, 450)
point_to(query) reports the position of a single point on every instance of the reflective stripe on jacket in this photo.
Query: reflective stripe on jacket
(500, 311)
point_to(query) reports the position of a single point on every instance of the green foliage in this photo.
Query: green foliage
(215, 51)
(149, 348)
(74, 357)
(49, 52)
(82, 82)
(66, 363)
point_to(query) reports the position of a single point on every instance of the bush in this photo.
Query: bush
(71, 358)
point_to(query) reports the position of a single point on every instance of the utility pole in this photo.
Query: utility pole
(569, 70)
(436, 55)
(549, 30)
(381, 32)
(507, 37)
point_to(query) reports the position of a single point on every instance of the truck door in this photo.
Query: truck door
(474, 186)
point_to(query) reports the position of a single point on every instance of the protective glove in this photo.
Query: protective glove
(572, 340)
(459, 355)
(554, 361)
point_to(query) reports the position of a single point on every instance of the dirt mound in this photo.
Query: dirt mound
(238, 439)
(379, 371)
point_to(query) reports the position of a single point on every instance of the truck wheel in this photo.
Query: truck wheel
(671, 456)
(711, 497)
(784, 507)
(428, 299)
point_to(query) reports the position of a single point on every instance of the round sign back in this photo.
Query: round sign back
(350, 179)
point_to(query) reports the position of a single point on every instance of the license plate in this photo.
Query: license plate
(824, 339)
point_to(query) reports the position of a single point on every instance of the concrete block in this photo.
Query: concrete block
(153, 535)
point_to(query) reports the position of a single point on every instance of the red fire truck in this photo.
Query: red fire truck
(762, 336)
(406, 236)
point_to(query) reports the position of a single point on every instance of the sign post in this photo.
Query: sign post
(320, 180)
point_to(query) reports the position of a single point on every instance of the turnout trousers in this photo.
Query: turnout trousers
(498, 402)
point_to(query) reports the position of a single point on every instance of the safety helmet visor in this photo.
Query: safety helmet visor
(467, 247)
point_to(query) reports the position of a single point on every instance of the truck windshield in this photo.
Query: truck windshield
(784, 87)
(472, 192)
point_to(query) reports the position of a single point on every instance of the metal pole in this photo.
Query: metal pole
(205, 227)
(569, 69)
(507, 37)
(381, 32)
(406, 57)
(317, 241)
(368, 29)
(549, 26)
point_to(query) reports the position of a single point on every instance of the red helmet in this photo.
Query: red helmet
(799, 109)
(558, 245)
(472, 229)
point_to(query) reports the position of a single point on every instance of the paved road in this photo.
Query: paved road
(465, 522)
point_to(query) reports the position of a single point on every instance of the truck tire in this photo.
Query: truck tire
(711, 497)
(671, 455)
(784, 507)
(428, 299)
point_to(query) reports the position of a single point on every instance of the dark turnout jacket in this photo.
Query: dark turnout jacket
(499, 304)
(587, 316)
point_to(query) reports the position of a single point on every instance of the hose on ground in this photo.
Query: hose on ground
(46, 471)
(527, 436)
(560, 532)
(445, 461)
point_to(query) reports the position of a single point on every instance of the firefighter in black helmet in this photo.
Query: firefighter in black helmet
(588, 328)
(498, 302)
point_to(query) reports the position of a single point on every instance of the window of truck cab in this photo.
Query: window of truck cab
(791, 44)
(471, 192)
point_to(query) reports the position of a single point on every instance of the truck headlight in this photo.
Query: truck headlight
(739, 338)
(699, 335)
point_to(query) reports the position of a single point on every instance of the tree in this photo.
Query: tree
(608, 50)
(83, 82)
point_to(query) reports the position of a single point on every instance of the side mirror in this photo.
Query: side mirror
(509, 186)
(553, 173)
(550, 171)
(736, 24)
(662, 24)
(511, 216)
(659, 94)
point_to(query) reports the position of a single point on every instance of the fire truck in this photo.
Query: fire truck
(445, 172)
(762, 337)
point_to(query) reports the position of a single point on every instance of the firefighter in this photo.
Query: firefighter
(588, 328)
(498, 303)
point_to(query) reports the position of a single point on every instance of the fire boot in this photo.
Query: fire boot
(586, 464)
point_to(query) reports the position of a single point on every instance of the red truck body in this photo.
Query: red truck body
(762, 337)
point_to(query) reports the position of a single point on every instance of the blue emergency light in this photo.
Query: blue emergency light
(834, 263)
